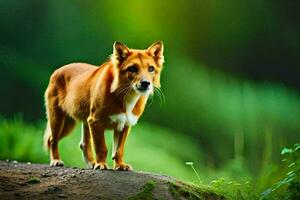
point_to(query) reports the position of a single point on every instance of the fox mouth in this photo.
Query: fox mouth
(142, 90)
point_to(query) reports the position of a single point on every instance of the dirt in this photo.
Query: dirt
(39, 181)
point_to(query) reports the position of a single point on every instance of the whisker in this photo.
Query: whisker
(122, 89)
(160, 95)
(151, 99)
(129, 88)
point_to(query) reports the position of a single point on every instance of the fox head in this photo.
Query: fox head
(138, 70)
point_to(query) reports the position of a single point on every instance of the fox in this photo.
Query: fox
(110, 96)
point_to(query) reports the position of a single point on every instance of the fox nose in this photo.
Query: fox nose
(145, 84)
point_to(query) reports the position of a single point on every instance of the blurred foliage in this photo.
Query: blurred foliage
(234, 190)
(289, 187)
(231, 80)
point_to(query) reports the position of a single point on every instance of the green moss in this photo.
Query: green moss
(146, 193)
(178, 192)
(33, 180)
(186, 191)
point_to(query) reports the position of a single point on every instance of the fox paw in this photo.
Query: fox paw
(101, 166)
(123, 167)
(56, 163)
(91, 165)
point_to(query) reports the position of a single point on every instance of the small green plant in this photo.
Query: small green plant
(191, 164)
(289, 187)
(228, 189)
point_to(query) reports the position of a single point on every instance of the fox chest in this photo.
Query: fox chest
(126, 118)
(123, 119)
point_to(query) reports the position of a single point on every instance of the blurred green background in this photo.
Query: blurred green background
(231, 80)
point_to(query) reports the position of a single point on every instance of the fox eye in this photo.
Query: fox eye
(132, 69)
(151, 69)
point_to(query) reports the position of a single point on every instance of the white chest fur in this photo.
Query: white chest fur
(126, 118)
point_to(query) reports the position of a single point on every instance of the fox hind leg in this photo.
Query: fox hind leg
(56, 120)
(86, 146)
(69, 125)
(61, 125)
(58, 125)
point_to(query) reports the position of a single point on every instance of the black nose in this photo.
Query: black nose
(145, 84)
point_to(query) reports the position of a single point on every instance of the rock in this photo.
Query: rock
(62, 196)
(52, 188)
(45, 175)
(40, 181)
(17, 194)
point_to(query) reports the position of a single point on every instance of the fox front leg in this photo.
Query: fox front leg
(97, 132)
(118, 149)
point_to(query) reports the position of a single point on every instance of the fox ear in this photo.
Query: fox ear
(121, 52)
(156, 50)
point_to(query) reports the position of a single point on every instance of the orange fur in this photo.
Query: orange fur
(112, 96)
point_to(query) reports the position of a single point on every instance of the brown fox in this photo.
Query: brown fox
(112, 96)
